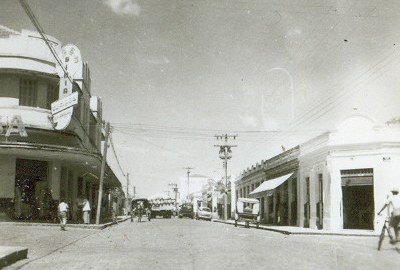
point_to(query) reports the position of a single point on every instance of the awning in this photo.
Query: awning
(271, 184)
(248, 200)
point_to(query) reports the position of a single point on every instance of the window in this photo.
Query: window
(52, 95)
(321, 189)
(28, 93)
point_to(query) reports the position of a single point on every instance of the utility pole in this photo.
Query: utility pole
(175, 189)
(188, 173)
(134, 192)
(128, 203)
(225, 153)
(103, 166)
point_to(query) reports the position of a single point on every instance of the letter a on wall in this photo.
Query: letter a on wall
(16, 127)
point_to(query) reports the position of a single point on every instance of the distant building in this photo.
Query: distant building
(38, 164)
(336, 181)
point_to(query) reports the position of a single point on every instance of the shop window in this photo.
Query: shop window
(28, 93)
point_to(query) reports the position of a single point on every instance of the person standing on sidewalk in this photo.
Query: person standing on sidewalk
(62, 213)
(86, 211)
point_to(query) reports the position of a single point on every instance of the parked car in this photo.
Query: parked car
(186, 210)
(247, 210)
(204, 213)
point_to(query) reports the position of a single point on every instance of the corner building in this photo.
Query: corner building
(38, 164)
(336, 181)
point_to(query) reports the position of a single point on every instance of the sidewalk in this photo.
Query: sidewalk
(12, 254)
(9, 255)
(304, 231)
(70, 225)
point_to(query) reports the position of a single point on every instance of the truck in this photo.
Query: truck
(163, 207)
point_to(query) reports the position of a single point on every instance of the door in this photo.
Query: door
(358, 199)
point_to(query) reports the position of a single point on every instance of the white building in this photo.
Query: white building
(336, 181)
(38, 164)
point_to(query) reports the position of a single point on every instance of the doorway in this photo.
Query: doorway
(31, 189)
(358, 199)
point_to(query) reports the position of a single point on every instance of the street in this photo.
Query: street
(189, 244)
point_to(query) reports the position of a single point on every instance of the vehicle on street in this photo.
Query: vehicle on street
(204, 213)
(186, 210)
(247, 210)
(140, 207)
(162, 207)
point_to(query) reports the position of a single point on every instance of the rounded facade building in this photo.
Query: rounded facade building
(38, 163)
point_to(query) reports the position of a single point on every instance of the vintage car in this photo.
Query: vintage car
(139, 208)
(186, 210)
(204, 213)
(247, 210)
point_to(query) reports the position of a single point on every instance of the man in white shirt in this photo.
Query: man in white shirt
(62, 213)
(393, 205)
(86, 211)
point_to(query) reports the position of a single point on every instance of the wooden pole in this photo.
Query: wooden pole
(103, 166)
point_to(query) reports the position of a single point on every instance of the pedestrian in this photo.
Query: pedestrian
(62, 213)
(393, 205)
(114, 212)
(140, 211)
(86, 211)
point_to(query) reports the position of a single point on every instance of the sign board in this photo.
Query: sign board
(65, 88)
(64, 103)
(63, 118)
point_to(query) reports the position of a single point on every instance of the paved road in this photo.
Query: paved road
(190, 244)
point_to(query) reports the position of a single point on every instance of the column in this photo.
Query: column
(55, 179)
(290, 199)
(335, 220)
(313, 199)
(74, 195)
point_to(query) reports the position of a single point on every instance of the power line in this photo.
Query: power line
(39, 28)
(115, 154)
(358, 82)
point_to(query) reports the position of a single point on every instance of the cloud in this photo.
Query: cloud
(248, 121)
(124, 7)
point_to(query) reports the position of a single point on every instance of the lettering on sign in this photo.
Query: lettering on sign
(64, 103)
(14, 127)
(62, 115)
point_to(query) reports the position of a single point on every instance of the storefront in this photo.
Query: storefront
(334, 182)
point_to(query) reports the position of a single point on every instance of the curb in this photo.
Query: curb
(10, 255)
(77, 226)
(286, 232)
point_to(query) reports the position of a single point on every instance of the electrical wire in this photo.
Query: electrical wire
(39, 28)
(115, 155)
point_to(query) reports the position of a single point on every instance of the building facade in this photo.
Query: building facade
(336, 181)
(39, 164)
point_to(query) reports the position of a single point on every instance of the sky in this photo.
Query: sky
(174, 73)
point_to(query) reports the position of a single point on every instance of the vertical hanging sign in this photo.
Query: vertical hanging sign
(62, 109)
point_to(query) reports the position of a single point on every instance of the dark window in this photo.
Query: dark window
(52, 94)
(93, 129)
(308, 189)
(28, 93)
(321, 189)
